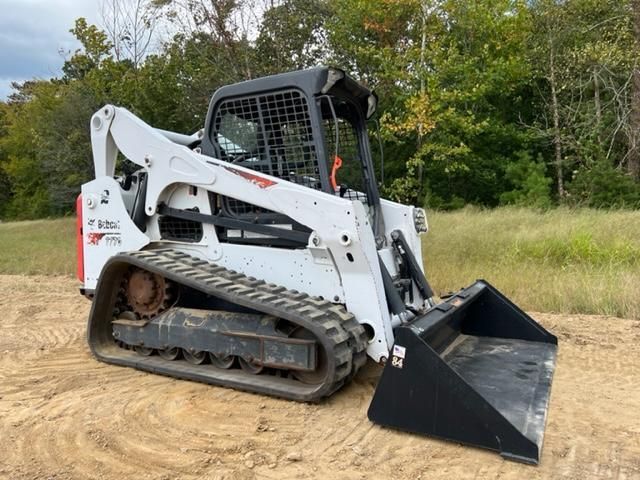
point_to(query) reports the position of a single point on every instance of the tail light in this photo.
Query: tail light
(79, 242)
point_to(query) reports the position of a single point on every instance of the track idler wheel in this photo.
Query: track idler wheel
(195, 357)
(222, 361)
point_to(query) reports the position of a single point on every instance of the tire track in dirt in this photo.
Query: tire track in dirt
(66, 416)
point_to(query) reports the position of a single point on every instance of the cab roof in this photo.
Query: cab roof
(313, 82)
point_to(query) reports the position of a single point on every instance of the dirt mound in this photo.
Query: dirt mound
(63, 415)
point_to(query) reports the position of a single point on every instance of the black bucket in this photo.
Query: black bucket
(475, 369)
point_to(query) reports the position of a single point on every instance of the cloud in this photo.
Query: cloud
(34, 36)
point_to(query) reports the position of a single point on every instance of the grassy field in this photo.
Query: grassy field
(571, 261)
(39, 246)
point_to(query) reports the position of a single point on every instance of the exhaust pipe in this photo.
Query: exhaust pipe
(474, 369)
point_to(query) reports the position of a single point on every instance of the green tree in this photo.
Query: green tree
(19, 147)
(95, 47)
(531, 186)
(5, 183)
(581, 49)
(292, 36)
(480, 102)
(603, 186)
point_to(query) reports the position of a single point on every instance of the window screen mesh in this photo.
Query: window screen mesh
(269, 133)
(350, 174)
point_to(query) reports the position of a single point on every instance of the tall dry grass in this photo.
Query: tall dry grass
(562, 260)
(573, 261)
(38, 247)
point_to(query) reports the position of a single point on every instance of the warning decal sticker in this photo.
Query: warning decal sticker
(397, 356)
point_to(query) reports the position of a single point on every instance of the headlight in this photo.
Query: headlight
(420, 220)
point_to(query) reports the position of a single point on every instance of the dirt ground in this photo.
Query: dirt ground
(65, 416)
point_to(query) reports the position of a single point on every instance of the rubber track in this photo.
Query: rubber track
(337, 330)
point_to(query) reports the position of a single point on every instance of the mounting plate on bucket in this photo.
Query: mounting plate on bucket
(474, 369)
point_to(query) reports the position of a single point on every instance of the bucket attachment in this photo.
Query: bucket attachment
(474, 369)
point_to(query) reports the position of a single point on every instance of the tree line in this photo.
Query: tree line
(497, 102)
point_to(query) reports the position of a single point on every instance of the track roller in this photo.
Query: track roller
(250, 367)
(194, 358)
(170, 353)
(221, 361)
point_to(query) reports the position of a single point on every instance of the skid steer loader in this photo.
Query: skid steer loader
(257, 254)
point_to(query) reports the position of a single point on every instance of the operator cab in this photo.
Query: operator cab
(306, 127)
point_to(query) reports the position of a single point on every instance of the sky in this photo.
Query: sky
(34, 32)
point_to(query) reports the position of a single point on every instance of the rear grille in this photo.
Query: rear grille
(179, 230)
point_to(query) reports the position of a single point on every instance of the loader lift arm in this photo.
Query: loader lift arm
(338, 225)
